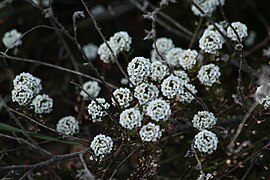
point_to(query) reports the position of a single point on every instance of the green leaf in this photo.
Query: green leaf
(6, 127)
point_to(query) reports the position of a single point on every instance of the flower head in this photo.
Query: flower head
(150, 132)
(92, 88)
(209, 74)
(42, 104)
(101, 145)
(131, 118)
(206, 142)
(96, 110)
(68, 126)
(204, 120)
(158, 110)
(11, 39)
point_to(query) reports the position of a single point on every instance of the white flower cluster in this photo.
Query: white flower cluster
(146, 92)
(207, 6)
(90, 51)
(92, 88)
(26, 93)
(185, 95)
(163, 45)
(123, 96)
(262, 95)
(158, 110)
(11, 39)
(118, 43)
(101, 145)
(131, 118)
(26, 87)
(188, 59)
(183, 76)
(139, 70)
(96, 110)
(173, 56)
(204, 120)
(68, 126)
(240, 29)
(158, 71)
(150, 132)
(44, 3)
(209, 74)
(171, 86)
(42, 104)
(211, 40)
(206, 141)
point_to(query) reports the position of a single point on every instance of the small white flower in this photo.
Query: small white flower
(98, 111)
(42, 104)
(124, 81)
(185, 95)
(139, 69)
(173, 55)
(172, 86)
(131, 118)
(101, 145)
(68, 126)
(92, 88)
(204, 120)
(208, 7)
(163, 45)
(150, 132)
(188, 59)
(121, 41)
(241, 30)
(209, 74)
(11, 39)
(146, 92)
(206, 141)
(211, 41)
(158, 110)
(183, 76)
(22, 94)
(208, 176)
(28, 80)
(158, 71)
(123, 96)
(262, 95)
(90, 51)
(105, 54)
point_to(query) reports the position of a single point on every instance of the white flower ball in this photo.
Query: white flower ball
(22, 94)
(208, 7)
(173, 55)
(241, 30)
(105, 54)
(206, 142)
(11, 39)
(211, 42)
(188, 59)
(123, 96)
(204, 120)
(131, 118)
(158, 71)
(146, 92)
(262, 95)
(209, 74)
(92, 88)
(101, 145)
(183, 76)
(98, 111)
(185, 95)
(121, 41)
(28, 80)
(42, 104)
(150, 132)
(158, 110)
(68, 126)
(90, 51)
(139, 70)
(163, 45)
(171, 86)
